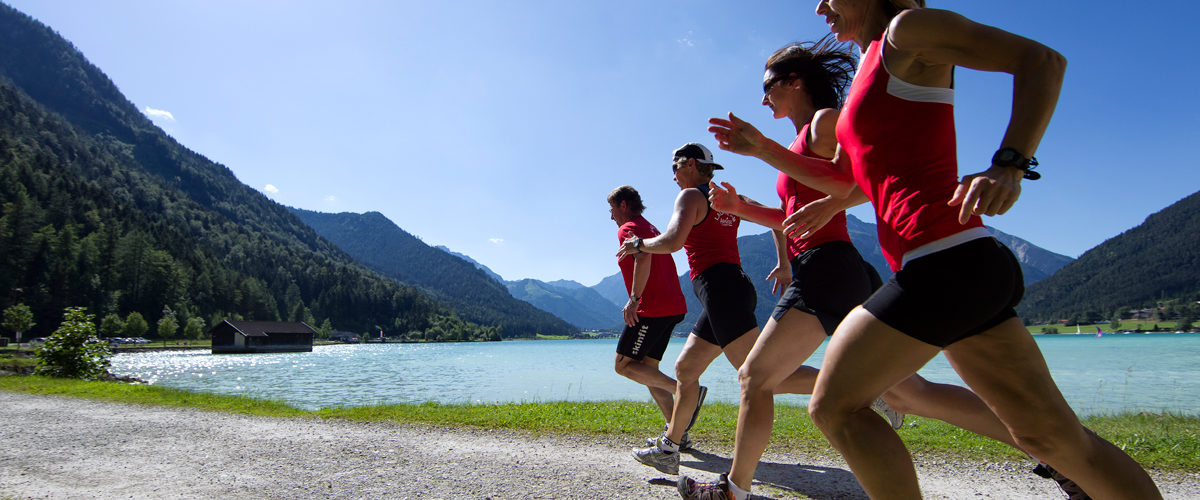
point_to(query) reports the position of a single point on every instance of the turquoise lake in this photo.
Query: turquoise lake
(1098, 375)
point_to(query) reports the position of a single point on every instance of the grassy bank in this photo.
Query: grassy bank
(1166, 442)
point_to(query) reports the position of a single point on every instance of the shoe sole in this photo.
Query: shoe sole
(681, 486)
(658, 467)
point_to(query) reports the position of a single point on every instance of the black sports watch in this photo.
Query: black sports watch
(637, 245)
(1009, 157)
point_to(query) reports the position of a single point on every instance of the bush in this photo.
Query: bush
(74, 351)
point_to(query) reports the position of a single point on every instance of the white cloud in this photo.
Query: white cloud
(331, 199)
(686, 41)
(496, 241)
(158, 113)
(270, 188)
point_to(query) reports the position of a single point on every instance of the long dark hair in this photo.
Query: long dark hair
(826, 67)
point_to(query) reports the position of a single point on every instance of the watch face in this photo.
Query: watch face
(1007, 157)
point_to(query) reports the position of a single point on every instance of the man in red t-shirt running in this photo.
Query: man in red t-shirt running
(655, 303)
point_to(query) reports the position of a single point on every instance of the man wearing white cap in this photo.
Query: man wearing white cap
(727, 323)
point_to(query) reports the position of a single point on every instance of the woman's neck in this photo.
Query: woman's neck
(872, 29)
(800, 119)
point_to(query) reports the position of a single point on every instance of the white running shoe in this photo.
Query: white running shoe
(894, 418)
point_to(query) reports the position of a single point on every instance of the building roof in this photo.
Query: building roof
(264, 328)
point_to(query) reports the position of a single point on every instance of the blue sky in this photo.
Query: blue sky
(498, 128)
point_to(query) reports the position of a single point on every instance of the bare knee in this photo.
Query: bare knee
(688, 372)
(753, 380)
(827, 413)
(624, 366)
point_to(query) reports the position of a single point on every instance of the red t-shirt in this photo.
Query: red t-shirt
(795, 195)
(713, 240)
(662, 296)
(901, 145)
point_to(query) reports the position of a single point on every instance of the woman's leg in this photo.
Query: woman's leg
(953, 404)
(1005, 367)
(779, 351)
(864, 359)
(695, 357)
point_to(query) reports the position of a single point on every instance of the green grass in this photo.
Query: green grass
(147, 395)
(15, 363)
(1160, 441)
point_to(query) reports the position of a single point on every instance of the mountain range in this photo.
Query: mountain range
(104, 210)
(381, 245)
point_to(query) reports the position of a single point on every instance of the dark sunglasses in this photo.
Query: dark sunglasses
(770, 84)
(679, 163)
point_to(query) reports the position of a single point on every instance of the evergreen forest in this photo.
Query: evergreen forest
(101, 209)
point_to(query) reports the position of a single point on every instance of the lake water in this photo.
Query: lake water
(1109, 374)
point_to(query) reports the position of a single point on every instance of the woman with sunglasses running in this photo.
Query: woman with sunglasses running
(955, 286)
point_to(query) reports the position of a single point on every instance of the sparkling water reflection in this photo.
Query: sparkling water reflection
(1114, 373)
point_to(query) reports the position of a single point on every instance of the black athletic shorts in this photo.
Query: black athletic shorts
(728, 299)
(827, 282)
(648, 338)
(952, 294)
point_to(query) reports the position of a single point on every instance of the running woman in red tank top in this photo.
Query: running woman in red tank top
(727, 323)
(959, 289)
(828, 277)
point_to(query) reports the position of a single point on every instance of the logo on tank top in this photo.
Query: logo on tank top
(724, 219)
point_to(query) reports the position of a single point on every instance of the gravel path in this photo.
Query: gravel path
(53, 447)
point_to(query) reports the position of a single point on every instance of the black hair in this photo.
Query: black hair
(826, 67)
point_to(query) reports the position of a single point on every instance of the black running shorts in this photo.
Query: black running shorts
(827, 282)
(648, 338)
(728, 299)
(952, 294)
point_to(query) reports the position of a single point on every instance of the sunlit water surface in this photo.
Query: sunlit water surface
(1109, 374)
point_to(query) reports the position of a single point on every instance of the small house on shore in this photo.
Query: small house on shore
(232, 337)
(345, 337)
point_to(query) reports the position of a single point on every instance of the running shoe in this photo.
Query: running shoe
(696, 412)
(665, 461)
(690, 489)
(684, 444)
(1073, 491)
(894, 418)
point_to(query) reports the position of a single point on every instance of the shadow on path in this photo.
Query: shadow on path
(801, 479)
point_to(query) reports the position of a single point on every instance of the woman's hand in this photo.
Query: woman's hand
(812, 217)
(629, 247)
(723, 199)
(781, 277)
(991, 192)
(736, 135)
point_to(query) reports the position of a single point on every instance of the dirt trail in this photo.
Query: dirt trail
(53, 447)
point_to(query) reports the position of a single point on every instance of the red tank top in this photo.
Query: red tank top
(662, 295)
(795, 195)
(713, 240)
(901, 144)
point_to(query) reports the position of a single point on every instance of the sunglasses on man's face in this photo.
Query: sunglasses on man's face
(679, 163)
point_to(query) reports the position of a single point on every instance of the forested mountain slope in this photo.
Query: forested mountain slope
(102, 209)
(1156, 262)
(380, 244)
